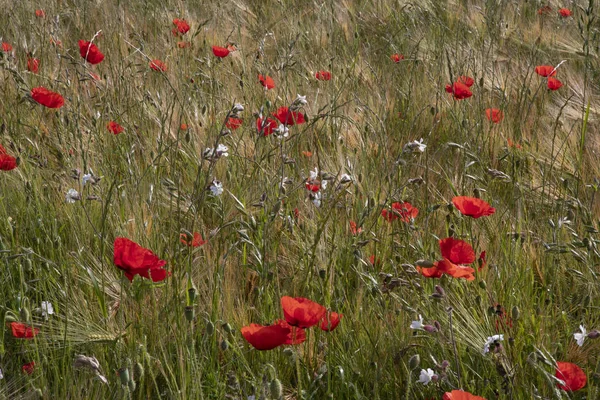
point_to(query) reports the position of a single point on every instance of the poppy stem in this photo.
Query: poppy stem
(450, 309)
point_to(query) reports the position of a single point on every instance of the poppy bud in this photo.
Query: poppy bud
(124, 376)
(10, 317)
(224, 345)
(440, 289)
(288, 352)
(414, 361)
(515, 313)
(430, 328)
(210, 328)
(482, 284)
(190, 313)
(24, 314)
(192, 294)
(276, 389)
(437, 325)
(424, 264)
(227, 328)
(138, 370)
(478, 299)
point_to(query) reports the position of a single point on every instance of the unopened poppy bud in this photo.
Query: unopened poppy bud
(10, 317)
(210, 328)
(430, 328)
(515, 313)
(424, 263)
(414, 361)
(190, 313)
(288, 352)
(131, 385)
(224, 345)
(124, 376)
(593, 334)
(276, 389)
(440, 290)
(138, 370)
(227, 328)
(437, 325)
(192, 294)
(478, 299)
(482, 284)
(24, 314)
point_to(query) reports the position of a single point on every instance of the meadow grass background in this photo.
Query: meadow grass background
(541, 244)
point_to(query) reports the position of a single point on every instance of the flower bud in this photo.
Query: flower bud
(138, 370)
(227, 328)
(440, 290)
(515, 313)
(192, 291)
(414, 361)
(210, 328)
(482, 284)
(430, 328)
(131, 385)
(224, 345)
(593, 334)
(276, 389)
(25, 314)
(124, 376)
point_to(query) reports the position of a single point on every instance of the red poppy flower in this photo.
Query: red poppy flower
(473, 207)
(233, 123)
(307, 153)
(323, 75)
(220, 52)
(289, 118)
(296, 335)
(183, 45)
(481, 261)
(573, 376)
(47, 98)
(545, 10)
(565, 12)
(330, 321)
(90, 52)
(554, 84)
(459, 90)
(302, 312)
(22, 331)
(432, 272)
(181, 26)
(267, 127)
(313, 186)
(457, 271)
(158, 65)
(7, 162)
(457, 251)
(460, 395)
(183, 127)
(6, 47)
(405, 211)
(40, 13)
(133, 259)
(194, 242)
(494, 115)
(397, 57)
(33, 65)
(114, 127)
(266, 81)
(354, 229)
(266, 337)
(466, 80)
(28, 368)
(545, 70)
(510, 143)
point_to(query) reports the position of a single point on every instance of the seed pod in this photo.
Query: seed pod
(190, 313)
(138, 370)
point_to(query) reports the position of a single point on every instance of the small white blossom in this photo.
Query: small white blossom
(314, 174)
(414, 146)
(216, 188)
(345, 178)
(238, 108)
(490, 340)
(85, 178)
(426, 376)
(72, 196)
(47, 309)
(282, 131)
(210, 153)
(417, 324)
(300, 100)
(316, 198)
(580, 337)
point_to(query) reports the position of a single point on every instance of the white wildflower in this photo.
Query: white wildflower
(47, 309)
(414, 146)
(580, 337)
(417, 324)
(316, 198)
(300, 100)
(426, 376)
(345, 178)
(238, 108)
(314, 174)
(85, 178)
(72, 196)
(282, 131)
(490, 340)
(216, 188)
(211, 154)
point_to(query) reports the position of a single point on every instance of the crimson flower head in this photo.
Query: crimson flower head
(7, 162)
(22, 331)
(266, 337)
(457, 251)
(90, 52)
(323, 75)
(266, 126)
(460, 395)
(573, 377)
(266, 81)
(289, 118)
(47, 98)
(33, 65)
(355, 229)
(405, 211)
(565, 12)
(220, 52)
(466, 80)
(158, 65)
(545, 70)
(115, 128)
(196, 241)
(28, 368)
(554, 84)
(296, 335)
(181, 26)
(6, 47)
(459, 90)
(330, 321)
(397, 57)
(133, 259)
(302, 312)
(494, 115)
(473, 207)
(40, 13)
(233, 123)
